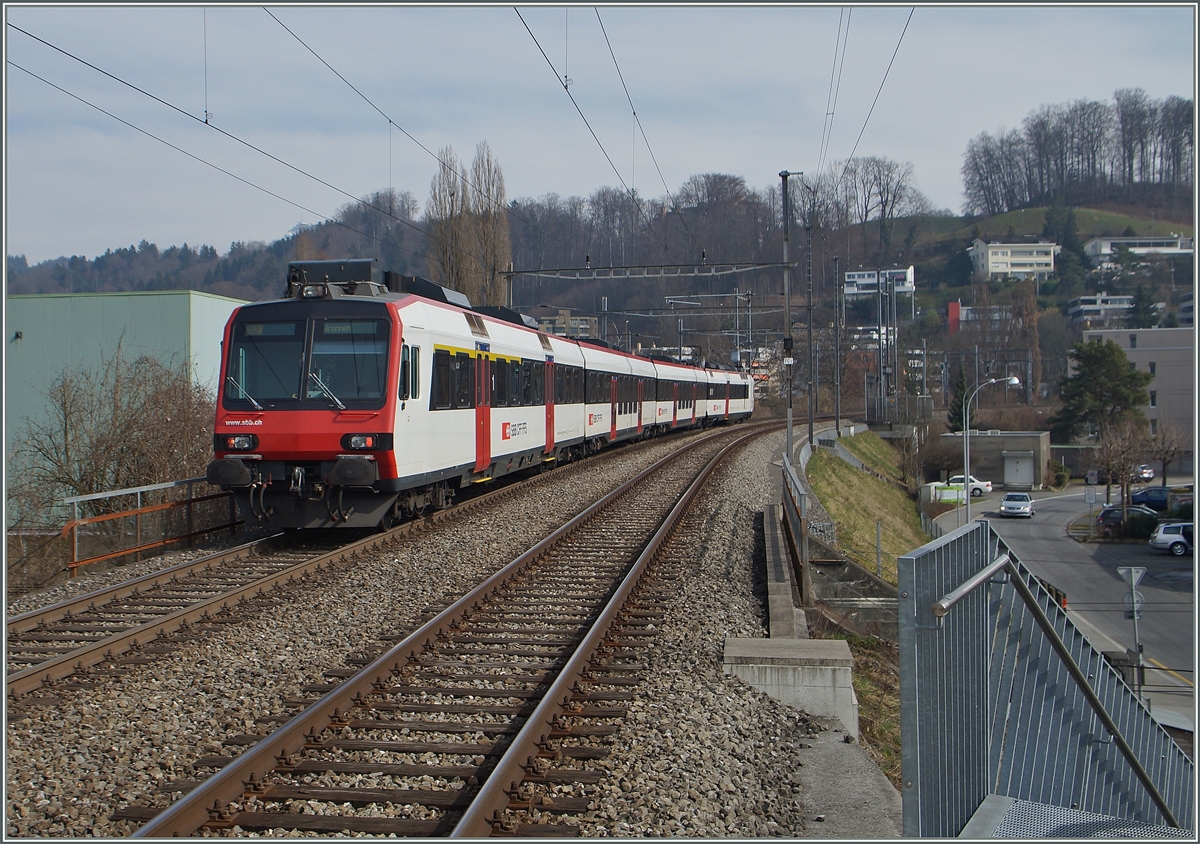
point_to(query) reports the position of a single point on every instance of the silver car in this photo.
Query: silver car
(1017, 504)
(1174, 537)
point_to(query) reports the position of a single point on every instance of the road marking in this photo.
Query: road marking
(1172, 673)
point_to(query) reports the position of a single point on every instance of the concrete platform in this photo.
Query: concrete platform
(845, 794)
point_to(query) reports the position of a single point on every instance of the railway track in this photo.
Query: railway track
(452, 730)
(65, 645)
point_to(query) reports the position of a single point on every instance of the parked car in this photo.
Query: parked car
(1174, 537)
(978, 487)
(1111, 516)
(1144, 472)
(1154, 497)
(1017, 504)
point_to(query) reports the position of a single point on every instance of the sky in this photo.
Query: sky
(742, 90)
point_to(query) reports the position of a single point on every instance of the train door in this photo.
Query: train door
(483, 410)
(639, 405)
(612, 399)
(548, 383)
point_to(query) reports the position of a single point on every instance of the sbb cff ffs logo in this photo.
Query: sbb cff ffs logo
(508, 430)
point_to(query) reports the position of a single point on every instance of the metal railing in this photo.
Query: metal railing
(1000, 694)
(144, 528)
(796, 524)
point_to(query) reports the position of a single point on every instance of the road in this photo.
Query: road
(1087, 572)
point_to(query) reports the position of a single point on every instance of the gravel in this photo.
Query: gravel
(701, 754)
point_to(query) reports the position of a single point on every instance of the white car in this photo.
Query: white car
(1017, 504)
(978, 487)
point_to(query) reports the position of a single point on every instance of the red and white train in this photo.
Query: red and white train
(364, 397)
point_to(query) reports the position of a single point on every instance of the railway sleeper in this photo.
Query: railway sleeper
(266, 821)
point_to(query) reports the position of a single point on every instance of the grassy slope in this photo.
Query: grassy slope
(875, 453)
(855, 501)
(1090, 223)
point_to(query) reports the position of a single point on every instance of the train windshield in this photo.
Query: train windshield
(308, 363)
(349, 357)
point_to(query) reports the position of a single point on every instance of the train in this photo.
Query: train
(363, 398)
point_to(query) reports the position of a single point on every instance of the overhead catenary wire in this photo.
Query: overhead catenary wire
(641, 129)
(407, 134)
(607, 157)
(877, 93)
(221, 131)
(835, 86)
(197, 158)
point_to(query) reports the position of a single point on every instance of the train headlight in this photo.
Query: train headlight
(238, 442)
(367, 442)
(312, 291)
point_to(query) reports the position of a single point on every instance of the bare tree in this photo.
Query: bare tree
(490, 220)
(1134, 123)
(1119, 447)
(117, 425)
(1167, 445)
(449, 231)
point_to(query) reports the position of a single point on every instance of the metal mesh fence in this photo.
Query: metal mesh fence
(989, 706)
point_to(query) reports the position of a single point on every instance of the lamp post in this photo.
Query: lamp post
(1011, 380)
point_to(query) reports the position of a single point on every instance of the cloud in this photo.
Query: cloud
(740, 90)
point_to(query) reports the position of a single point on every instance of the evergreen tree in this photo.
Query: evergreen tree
(1142, 312)
(954, 416)
(1102, 388)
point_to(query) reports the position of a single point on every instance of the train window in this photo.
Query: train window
(526, 383)
(464, 380)
(405, 363)
(514, 383)
(441, 392)
(560, 384)
(538, 389)
(483, 381)
(414, 391)
(500, 383)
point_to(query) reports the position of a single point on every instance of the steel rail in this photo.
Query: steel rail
(194, 809)
(56, 612)
(485, 810)
(29, 679)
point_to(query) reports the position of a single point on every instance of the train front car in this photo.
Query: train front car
(305, 414)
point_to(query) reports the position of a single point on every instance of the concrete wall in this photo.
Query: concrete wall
(988, 447)
(813, 675)
(79, 331)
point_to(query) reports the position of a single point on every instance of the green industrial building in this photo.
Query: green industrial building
(47, 334)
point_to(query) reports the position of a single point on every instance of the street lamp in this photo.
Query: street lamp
(1012, 381)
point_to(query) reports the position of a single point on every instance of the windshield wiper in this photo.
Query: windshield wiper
(328, 392)
(242, 390)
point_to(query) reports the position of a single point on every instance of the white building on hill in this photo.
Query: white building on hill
(1016, 261)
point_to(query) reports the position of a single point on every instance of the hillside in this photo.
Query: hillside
(933, 244)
